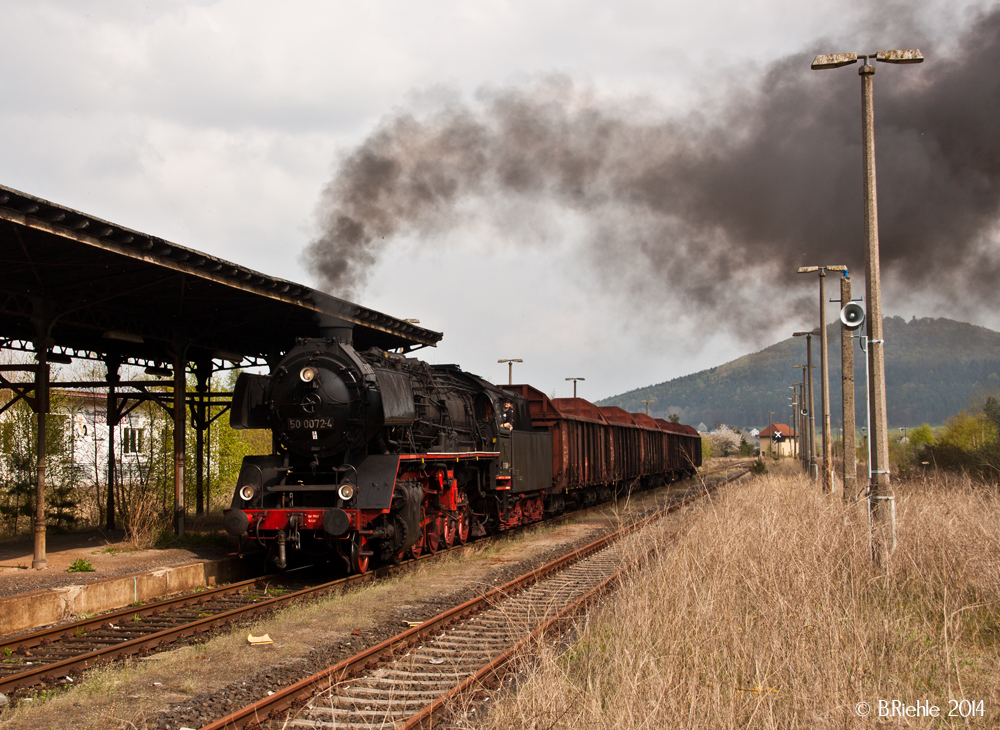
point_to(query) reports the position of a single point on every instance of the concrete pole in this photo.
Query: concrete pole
(796, 407)
(813, 467)
(39, 561)
(791, 422)
(770, 431)
(847, 389)
(876, 351)
(825, 387)
(804, 424)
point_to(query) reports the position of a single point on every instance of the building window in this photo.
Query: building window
(132, 441)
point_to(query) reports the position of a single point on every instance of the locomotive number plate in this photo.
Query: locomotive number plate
(310, 423)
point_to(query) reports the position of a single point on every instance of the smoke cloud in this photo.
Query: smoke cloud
(693, 208)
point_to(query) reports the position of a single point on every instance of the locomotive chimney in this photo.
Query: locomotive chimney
(336, 329)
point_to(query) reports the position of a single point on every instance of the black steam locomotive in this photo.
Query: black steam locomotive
(380, 456)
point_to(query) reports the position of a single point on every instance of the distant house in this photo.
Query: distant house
(777, 439)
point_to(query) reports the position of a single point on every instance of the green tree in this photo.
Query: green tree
(920, 437)
(991, 409)
(968, 431)
(18, 446)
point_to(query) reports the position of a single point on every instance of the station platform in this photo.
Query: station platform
(31, 598)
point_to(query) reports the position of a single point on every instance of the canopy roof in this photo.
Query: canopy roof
(90, 287)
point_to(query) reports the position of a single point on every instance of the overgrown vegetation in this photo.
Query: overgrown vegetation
(80, 565)
(968, 442)
(77, 465)
(768, 613)
(725, 441)
(18, 446)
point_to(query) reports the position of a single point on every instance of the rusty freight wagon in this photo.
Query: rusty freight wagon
(599, 450)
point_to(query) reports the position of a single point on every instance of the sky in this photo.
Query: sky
(614, 191)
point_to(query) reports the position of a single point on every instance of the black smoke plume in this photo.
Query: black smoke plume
(712, 206)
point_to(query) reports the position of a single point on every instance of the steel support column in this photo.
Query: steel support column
(180, 421)
(38, 560)
(113, 418)
(203, 373)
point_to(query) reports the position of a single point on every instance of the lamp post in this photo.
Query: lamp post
(647, 402)
(847, 396)
(802, 422)
(813, 469)
(574, 384)
(770, 434)
(510, 368)
(794, 423)
(879, 438)
(824, 372)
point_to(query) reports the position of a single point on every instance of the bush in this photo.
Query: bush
(725, 441)
(920, 437)
(970, 442)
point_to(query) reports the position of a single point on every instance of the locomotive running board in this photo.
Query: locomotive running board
(451, 456)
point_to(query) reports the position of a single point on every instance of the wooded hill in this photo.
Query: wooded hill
(933, 368)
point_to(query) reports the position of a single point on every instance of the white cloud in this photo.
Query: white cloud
(215, 124)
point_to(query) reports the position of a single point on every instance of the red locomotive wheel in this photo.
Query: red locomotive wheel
(360, 554)
(418, 548)
(450, 527)
(464, 524)
(432, 535)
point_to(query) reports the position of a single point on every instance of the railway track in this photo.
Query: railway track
(51, 657)
(409, 680)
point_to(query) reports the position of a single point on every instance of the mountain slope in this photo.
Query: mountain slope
(933, 368)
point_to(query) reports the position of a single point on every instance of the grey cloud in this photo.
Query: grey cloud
(682, 208)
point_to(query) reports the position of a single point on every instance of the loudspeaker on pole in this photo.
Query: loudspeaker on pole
(852, 315)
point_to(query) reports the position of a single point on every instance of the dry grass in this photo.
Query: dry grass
(143, 524)
(768, 613)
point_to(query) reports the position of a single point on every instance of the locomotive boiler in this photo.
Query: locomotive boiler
(379, 456)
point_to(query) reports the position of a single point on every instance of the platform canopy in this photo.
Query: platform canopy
(88, 288)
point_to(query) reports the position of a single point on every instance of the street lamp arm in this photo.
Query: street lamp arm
(836, 60)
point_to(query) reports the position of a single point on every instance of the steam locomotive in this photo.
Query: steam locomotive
(377, 456)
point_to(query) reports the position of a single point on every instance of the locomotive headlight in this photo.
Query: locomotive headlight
(247, 492)
(307, 374)
(346, 491)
